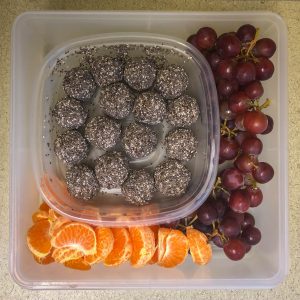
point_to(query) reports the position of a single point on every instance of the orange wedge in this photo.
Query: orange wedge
(143, 245)
(105, 242)
(172, 247)
(77, 236)
(63, 255)
(44, 207)
(40, 215)
(200, 250)
(78, 264)
(53, 216)
(44, 260)
(154, 258)
(38, 238)
(122, 248)
(57, 224)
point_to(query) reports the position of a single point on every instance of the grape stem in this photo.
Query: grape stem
(226, 131)
(218, 187)
(253, 42)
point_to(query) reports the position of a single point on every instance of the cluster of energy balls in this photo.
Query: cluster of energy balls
(135, 87)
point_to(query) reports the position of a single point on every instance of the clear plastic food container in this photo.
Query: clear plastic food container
(34, 35)
(109, 208)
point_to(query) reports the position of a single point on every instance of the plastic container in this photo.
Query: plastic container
(110, 208)
(34, 36)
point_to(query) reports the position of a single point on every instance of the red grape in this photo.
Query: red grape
(207, 214)
(220, 206)
(232, 179)
(228, 45)
(264, 47)
(253, 121)
(213, 59)
(252, 146)
(270, 125)
(225, 112)
(245, 163)
(192, 39)
(255, 195)
(206, 38)
(242, 135)
(217, 241)
(254, 89)
(228, 148)
(234, 215)
(238, 102)
(264, 68)
(251, 235)
(226, 69)
(201, 227)
(263, 173)
(230, 227)
(239, 201)
(245, 72)
(246, 33)
(248, 220)
(226, 87)
(248, 247)
(235, 249)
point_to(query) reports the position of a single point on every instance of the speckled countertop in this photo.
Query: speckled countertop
(289, 10)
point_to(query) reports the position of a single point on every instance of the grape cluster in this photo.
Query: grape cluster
(240, 62)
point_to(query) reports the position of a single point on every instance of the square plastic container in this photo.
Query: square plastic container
(110, 208)
(34, 35)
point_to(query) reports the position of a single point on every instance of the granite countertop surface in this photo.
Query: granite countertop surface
(290, 11)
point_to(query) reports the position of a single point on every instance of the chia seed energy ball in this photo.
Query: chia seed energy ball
(82, 182)
(116, 100)
(183, 111)
(140, 74)
(139, 187)
(172, 81)
(111, 170)
(149, 108)
(172, 178)
(71, 147)
(138, 140)
(107, 70)
(103, 132)
(79, 84)
(181, 144)
(69, 113)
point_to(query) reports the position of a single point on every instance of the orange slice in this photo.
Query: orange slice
(78, 264)
(105, 243)
(57, 224)
(44, 260)
(44, 207)
(154, 258)
(63, 255)
(77, 236)
(172, 247)
(122, 248)
(200, 250)
(38, 238)
(53, 216)
(39, 215)
(143, 245)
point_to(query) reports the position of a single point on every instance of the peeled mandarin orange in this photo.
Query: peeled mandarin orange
(38, 238)
(122, 248)
(76, 235)
(78, 264)
(200, 250)
(105, 242)
(53, 216)
(44, 207)
(57, 225)
(44, 260)
(143, 245)
(39, 215)
(154, 258)
(63, 255)
(172, 247)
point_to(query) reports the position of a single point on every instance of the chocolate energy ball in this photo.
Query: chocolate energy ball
(139, 187)
(111, 170)
(116, 100)
(172, 81)
(103, 132)
(138, 140)
(69, 113)
(172, 178)
(107, 70)
(82, 182)
(71, 147)
(181, 144)
(149, 108)
(79, 84)
(139, 74)
(183, 111)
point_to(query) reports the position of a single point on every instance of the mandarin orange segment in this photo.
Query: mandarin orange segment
(105, 243)
(122, 248)
(57, 225)
(44, 260)
(154, 258)
(53, 216)
(78, 264)
(172, 247)
(143, 245)
(44, 207)
(63, 255)
(38, 238)
(201, 251)
(76, 235)
(39, 215)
